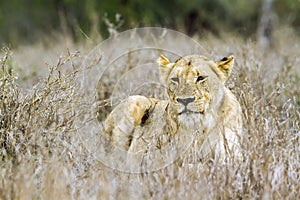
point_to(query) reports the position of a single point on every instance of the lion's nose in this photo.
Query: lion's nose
(185, 101)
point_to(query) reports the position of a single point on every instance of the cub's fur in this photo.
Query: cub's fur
(199, 104)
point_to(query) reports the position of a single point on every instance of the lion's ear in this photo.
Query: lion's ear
(225, 67)
(163, 61)
(165, 67)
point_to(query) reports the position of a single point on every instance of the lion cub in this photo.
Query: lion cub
(199, 106)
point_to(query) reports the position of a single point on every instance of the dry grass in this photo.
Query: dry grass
(42, 156)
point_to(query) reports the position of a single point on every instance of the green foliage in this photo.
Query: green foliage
(31, 19)
(288, 12)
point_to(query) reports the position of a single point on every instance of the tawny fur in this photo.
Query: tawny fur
(212, 113)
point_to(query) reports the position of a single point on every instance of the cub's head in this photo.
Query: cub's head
(195, 83)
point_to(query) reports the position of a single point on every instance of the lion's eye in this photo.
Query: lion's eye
(201, 78)
(176, 80)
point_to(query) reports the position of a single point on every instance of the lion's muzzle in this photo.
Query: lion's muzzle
(185, 101)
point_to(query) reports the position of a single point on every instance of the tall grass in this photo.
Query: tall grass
(42, 156)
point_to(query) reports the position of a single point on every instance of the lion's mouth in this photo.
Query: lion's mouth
(188, 111)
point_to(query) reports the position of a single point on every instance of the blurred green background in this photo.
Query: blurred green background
(27, 21)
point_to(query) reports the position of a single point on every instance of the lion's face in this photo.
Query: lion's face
(188, 89)
(193, 81)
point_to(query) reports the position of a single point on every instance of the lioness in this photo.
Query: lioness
(199, 103)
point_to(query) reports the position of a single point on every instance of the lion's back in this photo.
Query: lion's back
(138, 122)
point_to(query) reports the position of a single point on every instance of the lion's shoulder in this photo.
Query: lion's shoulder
(135, 111)
(138, 121)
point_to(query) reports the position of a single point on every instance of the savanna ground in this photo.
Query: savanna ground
(42, 156)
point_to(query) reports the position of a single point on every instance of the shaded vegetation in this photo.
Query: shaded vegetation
(31, 19)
